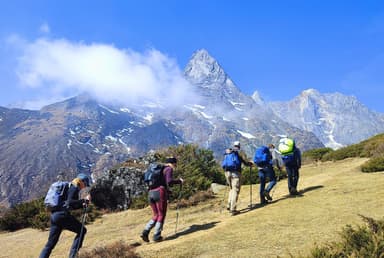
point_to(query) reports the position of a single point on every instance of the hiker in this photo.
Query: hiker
(158, 197)
(61, 217)
(276, 157)
(232, 167)
(263, 160)
(291, 157)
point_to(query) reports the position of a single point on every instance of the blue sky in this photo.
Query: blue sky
(51, 49)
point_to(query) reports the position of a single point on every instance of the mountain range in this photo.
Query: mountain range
(84, 134)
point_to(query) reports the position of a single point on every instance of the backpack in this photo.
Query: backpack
(286, 146)
(154, 176)
(262, 156)
(231, 161)
(56, 195)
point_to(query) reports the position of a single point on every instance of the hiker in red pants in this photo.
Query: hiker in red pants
(158, 197)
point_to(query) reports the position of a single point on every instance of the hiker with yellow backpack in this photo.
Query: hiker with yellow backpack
(291, 157)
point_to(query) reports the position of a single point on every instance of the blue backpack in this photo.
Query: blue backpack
(56, 195)
(231, 161)
(262, 156)
(154, 176)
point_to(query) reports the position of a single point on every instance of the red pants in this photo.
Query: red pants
(158, 202)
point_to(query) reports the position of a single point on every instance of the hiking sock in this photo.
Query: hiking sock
(157, 234)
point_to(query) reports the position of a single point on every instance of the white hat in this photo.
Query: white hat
(236, 143)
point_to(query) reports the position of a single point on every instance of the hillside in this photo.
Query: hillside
(334, 193)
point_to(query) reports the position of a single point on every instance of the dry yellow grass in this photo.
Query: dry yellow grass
(334, 193)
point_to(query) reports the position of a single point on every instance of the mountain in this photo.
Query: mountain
(82, 134)
(337, 120)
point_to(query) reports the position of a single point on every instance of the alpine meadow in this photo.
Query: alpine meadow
(338, 206)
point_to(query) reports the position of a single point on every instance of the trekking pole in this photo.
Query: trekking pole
(250, 187)
(177, 207)
(82, 230)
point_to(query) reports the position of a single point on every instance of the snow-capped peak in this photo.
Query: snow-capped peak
(202, 68)
(257, 98)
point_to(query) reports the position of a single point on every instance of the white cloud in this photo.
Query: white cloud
(44, 28)
(109, 73)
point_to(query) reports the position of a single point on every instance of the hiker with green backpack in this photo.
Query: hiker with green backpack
(291, 157)
(233, 158)
(62, 197)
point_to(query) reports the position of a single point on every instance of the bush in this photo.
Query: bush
(28, 214)
(365, 241)
(197, 167)
(316, 154)
(373, 165)
(33, 214)
(193, 200)
(118, 249)
(355, 150)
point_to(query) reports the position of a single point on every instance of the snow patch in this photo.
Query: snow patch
(126, 110)
(109, 110)
(149, 117)
(111, 138)
(245, 118)
(237, 103)
(206, 116)
(246, 135)
(69, 144)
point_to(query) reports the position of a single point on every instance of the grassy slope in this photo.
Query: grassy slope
(334, 193)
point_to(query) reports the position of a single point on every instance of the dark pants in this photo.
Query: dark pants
(63, 220)
(263, 174)
(293, 177)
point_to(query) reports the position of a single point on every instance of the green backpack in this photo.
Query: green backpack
(286, 146)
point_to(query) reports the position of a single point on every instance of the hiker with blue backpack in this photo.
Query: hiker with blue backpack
(233, 158)
(291, 157)
(159, 179)
(264, 162)
(62, 197)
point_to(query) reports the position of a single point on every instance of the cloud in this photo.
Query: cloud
(108, 73)
(44, 28)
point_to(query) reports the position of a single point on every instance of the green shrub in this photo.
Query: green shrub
(28, 214)
(355, 150)
(33, 214)
(373, 165)
(364, 241)
(316, 154)
(139, 202)
(196, 166)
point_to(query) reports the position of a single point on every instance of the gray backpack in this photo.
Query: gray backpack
(56, 195)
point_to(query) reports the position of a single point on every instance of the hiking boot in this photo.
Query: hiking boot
(234, 213)
(157, 238)
(144, 235)
(263, 201)
(266, 194)
(293, 191)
